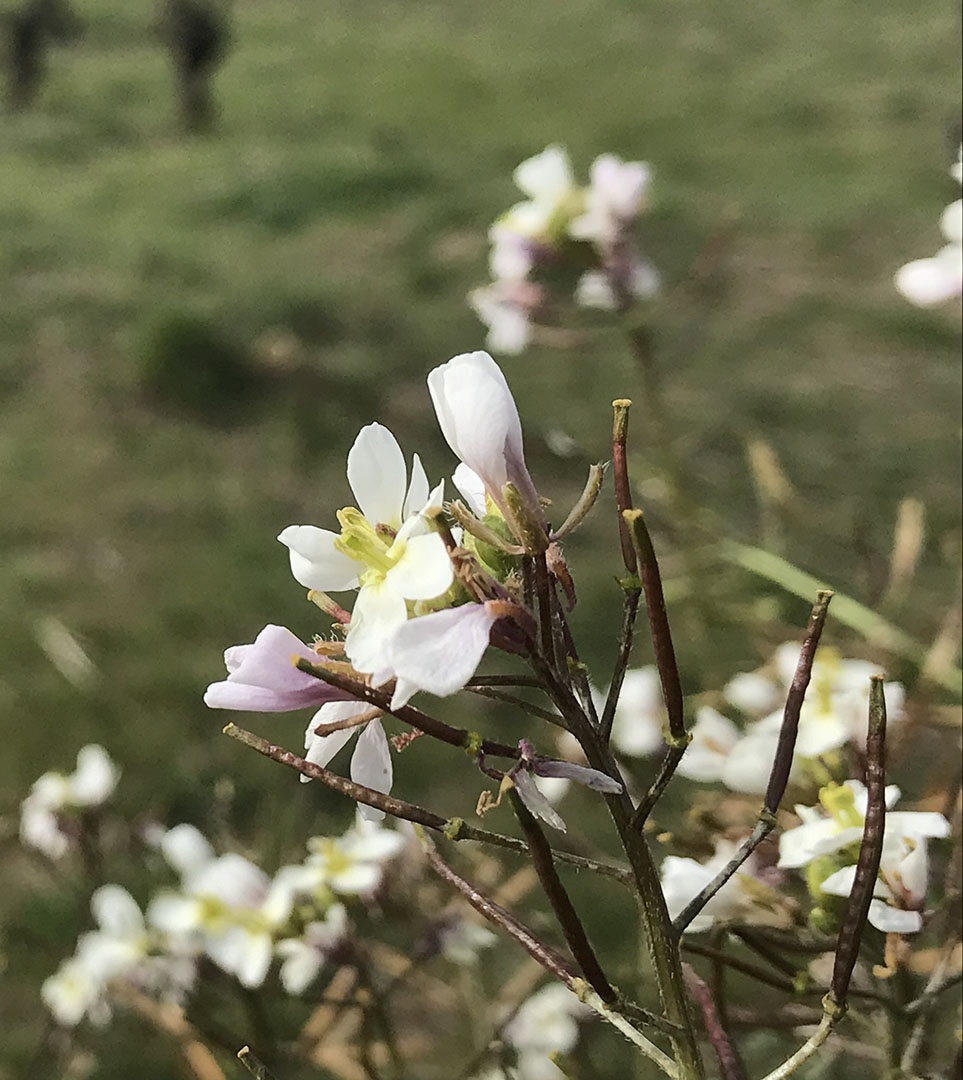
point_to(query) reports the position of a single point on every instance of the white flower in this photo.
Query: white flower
(752, 694)
(120, 943)
(841, 820)
(744, 898)
(462, 941)
(227, 905)
(927, 282)
(371, 760)
(350, 865)
(714, 737)
(614, 199)
(640, 714)
(439, 652)
(478, 417)
(304, 957)
(89, 785)
(547, 1023)
(552, 194)
(387, 547)
(502, 308)
(73, 993)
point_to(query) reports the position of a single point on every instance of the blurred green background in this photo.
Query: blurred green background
(194, 328)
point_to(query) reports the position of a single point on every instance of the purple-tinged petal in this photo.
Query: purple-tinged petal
(440, 652)
(538, 805)
(581, 774)
(264, 679)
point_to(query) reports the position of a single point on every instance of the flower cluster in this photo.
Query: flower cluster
(561, 223)
(48, 815)
(927, 282)
(827, 842)
(833, 715)
(227, 909)
(427, 597)
(546, 1024)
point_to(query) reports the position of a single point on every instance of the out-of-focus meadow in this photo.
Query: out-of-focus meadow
(195, 327)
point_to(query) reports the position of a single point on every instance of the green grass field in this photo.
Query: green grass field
(152, 444)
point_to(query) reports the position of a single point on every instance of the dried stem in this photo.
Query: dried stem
(870, 850)
(630, 609)
(453, 828)
(806, 1051)
(782, 763)
(568, 920)
(620, 472)
(549, 959)
(438, 729)
(593, 485)
(730, 1065)
(254, 1066)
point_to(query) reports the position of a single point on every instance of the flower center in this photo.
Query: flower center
(371, 546)
(840, 803)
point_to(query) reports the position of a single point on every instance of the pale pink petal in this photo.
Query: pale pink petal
(440, 652)
(263, 678)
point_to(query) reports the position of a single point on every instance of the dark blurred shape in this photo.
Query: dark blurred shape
(197, 33)
(193, 364)
(28, 33)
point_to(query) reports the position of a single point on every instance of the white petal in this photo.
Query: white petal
(315, 561)
(841, 883)
(893, 920)
(418, 489)
(116, 912)
(713, 736)
(751, 694)
(547, 176)
(175, 914)
(594, 290)
(233, 880)
(819, 732)
(424, 569)
(927, 282)
(440, 652)
(801, 845)
(95, 777)
(378, 612)
(472, 489)
(371, 766)
(302, 963)
(186, 849)
(356, 879)
(322, 748)
(377, 475)
(917, 823)
(255, 961)
(951, 223)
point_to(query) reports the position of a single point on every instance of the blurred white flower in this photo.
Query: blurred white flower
(350, 865)
(553, 197)
(462, 941)
(927, 282)
(303, 957)
(73, 993)
(640, 714)
(713, 738)
(547, 1023)
(614, 199)
(54, 794)
(745, 897)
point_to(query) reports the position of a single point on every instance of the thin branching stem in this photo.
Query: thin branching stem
(493, 693)
(620, 473)
(437, 729)
(870, 849)
(453, 828)
(630, 610)
(730, 1064)
(568, 920)
(549, 959)
(782, 763)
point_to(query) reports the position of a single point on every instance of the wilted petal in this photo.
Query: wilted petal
(538, 805)
(371, 766)
(378, 477)
(440, 652)
(263, 678)
(581, 774)
(315, 562)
